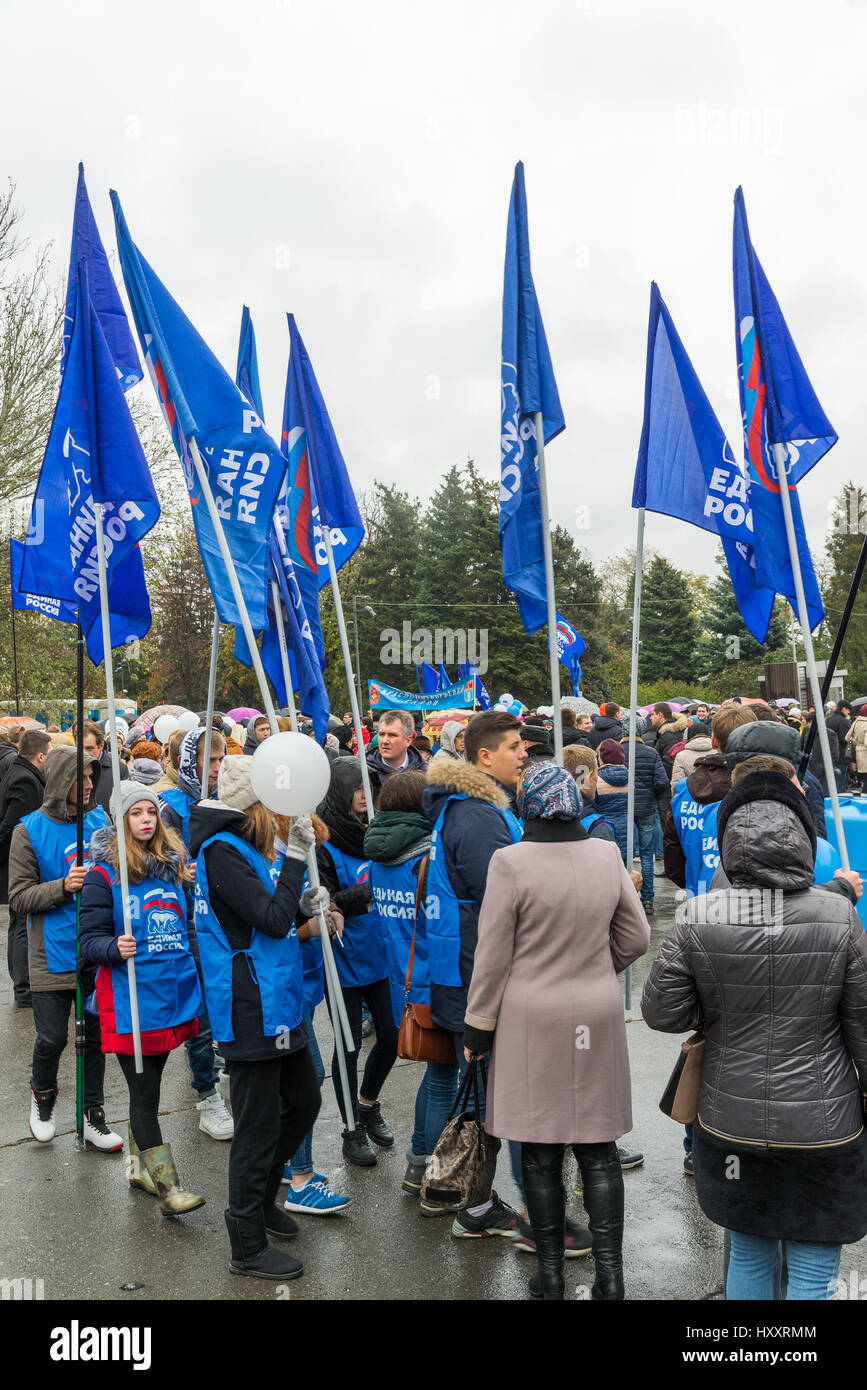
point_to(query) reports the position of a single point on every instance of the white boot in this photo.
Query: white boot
(214, 1118)
(43, 1105)
(97, 1133)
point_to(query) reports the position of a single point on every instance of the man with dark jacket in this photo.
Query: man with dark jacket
(571, 732)
(467, 804)
(652, 799)
(394, 751)
(22, 791)
(839, 722)
(7, 753)
(96, 747)
(669, 729)
(608, 725)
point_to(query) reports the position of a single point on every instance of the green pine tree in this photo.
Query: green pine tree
(727, 641)
(669, 626)
(843, 546)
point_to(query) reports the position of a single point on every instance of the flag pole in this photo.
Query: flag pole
(347, 666)
(79, 859)
(115, 776)
(809, 655)
(209, 712)
(835, 652)
(633, 718)
(335, 993)
(14, 644)
(553, 658)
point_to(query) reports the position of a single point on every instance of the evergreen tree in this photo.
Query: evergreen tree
(726, 639)
(669, 627)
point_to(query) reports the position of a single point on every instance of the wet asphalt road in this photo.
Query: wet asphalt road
(72, 1221)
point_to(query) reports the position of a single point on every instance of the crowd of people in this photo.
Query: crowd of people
(491, 885)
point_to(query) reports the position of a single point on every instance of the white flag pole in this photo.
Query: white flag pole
(780, 452)
(209, 713)
(115, 775)
(633, 705)
(313, 867)
(347, 666)
(553, 658)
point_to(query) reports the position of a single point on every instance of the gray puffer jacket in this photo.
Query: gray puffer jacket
(779, 981)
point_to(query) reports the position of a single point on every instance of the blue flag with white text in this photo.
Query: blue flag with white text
(528, 387)
(93, 456)
(244, 467)
(46, 604)
(104, 295)
(686, 468)
(779, 407)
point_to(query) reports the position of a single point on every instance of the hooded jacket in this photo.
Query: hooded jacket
(187, 780)
(667, 735)
(778, 979)
(605, 727)
(251, 743)
(28, 894)
(21, 792)
(709, 781)
(473, 830)
(696, 747)
(395, 836)
(448, 734)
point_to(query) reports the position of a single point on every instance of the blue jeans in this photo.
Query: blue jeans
(646, 827)
(812, 1269)
(200, 1055)
(434, 1099)
(301, 1161)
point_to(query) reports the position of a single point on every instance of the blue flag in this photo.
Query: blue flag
(483, 699)
(570, 645)
(779, 406)
(199, 400)
(87, 247)
(686, 468)
(445, 679)
(247, 370)
(39, 603)
(430, 679)
(528, 386)
(93, 455)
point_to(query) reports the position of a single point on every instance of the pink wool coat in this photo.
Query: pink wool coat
(558, 923)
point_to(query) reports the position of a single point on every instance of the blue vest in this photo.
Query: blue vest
(363, 959)
(442, 905)
(181, 804)
(695, 823)
(166, 979)
(54, 844)
(394, 893)
(274, 962)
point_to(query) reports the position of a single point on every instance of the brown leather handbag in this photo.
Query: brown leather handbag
(420, 1039)
(680, 1097)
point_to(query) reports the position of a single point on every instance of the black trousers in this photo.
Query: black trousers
(16, 955)
(51, 1017)
(144, 1097)
(274, 1104)
(382, 1055)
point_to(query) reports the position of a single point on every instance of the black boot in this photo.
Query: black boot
(356, 1148)
(546, 1207)
(251, 1253)
(279, 1223)
(602, 1178)
(370, 1119)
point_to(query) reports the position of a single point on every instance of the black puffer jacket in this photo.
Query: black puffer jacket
(780, 983)
(605, 727)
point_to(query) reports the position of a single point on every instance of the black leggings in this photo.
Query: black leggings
(144, 1097)
(274, 1104)
(382, 1055)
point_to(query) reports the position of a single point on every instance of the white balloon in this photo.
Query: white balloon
(165, 726)
(122, 726)
(290, 774)
(187, 720)
(505, 700)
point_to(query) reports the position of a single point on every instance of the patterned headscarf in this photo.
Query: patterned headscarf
(548, 792)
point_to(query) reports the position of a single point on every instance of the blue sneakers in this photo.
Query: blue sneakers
(316, 1199)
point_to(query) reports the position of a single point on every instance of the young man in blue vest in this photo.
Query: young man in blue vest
(468, 805)
(43, 882)
(176, 803)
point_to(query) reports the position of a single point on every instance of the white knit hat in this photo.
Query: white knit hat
(234, 788)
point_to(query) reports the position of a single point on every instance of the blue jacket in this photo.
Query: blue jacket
(473, 831)
(611, 800)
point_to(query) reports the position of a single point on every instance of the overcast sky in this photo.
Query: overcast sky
(353, 163)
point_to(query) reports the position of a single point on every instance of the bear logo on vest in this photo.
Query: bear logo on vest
(163, 926)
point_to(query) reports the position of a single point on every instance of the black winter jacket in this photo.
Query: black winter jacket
(652, 788)
(21, 792)
(605, 727)
(778, 978)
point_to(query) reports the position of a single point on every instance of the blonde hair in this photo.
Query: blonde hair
(578, 755)
(762, 762)
(258, 829)
(163, 845)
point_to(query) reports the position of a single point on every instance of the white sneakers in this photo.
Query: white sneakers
(42, 1107)
(97, 1133)
(43, 1127)
(214, 1118)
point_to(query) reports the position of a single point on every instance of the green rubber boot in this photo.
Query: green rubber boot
(135, 1170)
(174, 1201)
